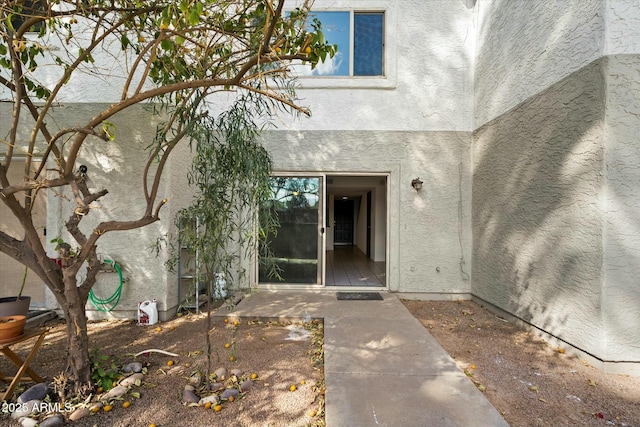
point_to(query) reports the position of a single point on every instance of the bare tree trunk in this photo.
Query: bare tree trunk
(78, 367)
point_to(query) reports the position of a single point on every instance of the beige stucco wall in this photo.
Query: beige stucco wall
(428, 83)
(12, 273)
(537, 222)
(554, 174)
(523, 47)
(529, 107)
(110, 166)
(621, 204)
(429, 231)
(117, 166)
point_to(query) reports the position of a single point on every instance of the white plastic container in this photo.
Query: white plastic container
(147, 312)
(219, 286)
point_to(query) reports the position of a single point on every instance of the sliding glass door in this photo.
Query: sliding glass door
(295, 249)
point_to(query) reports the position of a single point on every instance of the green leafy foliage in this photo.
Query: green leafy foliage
(104, 371)
(173, 57)
(169, 41)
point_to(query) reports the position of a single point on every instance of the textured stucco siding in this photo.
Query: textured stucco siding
(428, 83)
(428, 230)
(117, 166)
(523, 47)
(621, 292)
(622, 27)
(537, 223)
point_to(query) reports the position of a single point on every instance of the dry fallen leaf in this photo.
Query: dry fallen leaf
(533, 388)
(592, 383)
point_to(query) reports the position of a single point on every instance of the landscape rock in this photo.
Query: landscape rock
(213, 399)
(28, 422)
(115, 392)
(79, 413)
(236, 372)
(131, 380)
(196, 379)
(26, 409)
(189, 387)
(189, 396)
(133, 367)
(53, 421)
(246, 385)
(216, 386)
(36, 392)
(230, 392)
(221, 373)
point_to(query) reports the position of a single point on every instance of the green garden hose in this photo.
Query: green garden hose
(111, 302)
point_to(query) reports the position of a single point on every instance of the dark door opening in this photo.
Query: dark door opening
(369, 224)
(343, 222)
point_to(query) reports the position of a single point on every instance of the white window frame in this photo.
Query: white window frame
(386, 81)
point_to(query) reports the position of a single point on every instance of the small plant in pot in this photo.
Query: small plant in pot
(11, 326)
(16, 305)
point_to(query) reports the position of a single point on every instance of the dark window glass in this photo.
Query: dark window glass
(368, 44)
(360, 52)
(29, 8)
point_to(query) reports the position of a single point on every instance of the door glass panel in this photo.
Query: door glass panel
(294, 247)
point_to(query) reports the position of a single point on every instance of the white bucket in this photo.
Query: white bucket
(147, 313)
(219, 286)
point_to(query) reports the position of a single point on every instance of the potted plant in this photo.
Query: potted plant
(11, 327)
(16, 305)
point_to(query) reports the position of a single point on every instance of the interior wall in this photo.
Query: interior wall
(358, 186)
(379, 221)
(361, 224)
(329, 221)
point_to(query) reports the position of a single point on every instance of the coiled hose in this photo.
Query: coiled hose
(111, 302)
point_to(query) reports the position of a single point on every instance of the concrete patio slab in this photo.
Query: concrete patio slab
(382, 367)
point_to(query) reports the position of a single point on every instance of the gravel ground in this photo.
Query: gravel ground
(279, 354)
(527, 380)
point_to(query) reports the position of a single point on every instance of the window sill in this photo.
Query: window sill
(347, 82)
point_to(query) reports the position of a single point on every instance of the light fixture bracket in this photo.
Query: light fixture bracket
(416, 184)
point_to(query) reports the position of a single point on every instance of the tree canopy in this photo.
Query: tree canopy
(175, 57)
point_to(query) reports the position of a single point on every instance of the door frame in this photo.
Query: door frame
(321, 238)
(322, 221)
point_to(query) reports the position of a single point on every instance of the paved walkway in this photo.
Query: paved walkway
(382, 367)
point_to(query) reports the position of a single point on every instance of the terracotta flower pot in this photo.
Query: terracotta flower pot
(11, 326)
(10, 306)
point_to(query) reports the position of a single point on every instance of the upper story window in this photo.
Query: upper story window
(25, 10)
(360, 40)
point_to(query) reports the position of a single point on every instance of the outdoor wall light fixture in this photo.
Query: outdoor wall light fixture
(416, 184)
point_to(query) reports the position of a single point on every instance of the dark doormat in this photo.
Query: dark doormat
(359, 296)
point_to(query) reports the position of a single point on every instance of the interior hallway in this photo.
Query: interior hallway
(348, 266)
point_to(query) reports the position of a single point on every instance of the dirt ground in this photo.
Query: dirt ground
(280, 355)
(528, 381)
